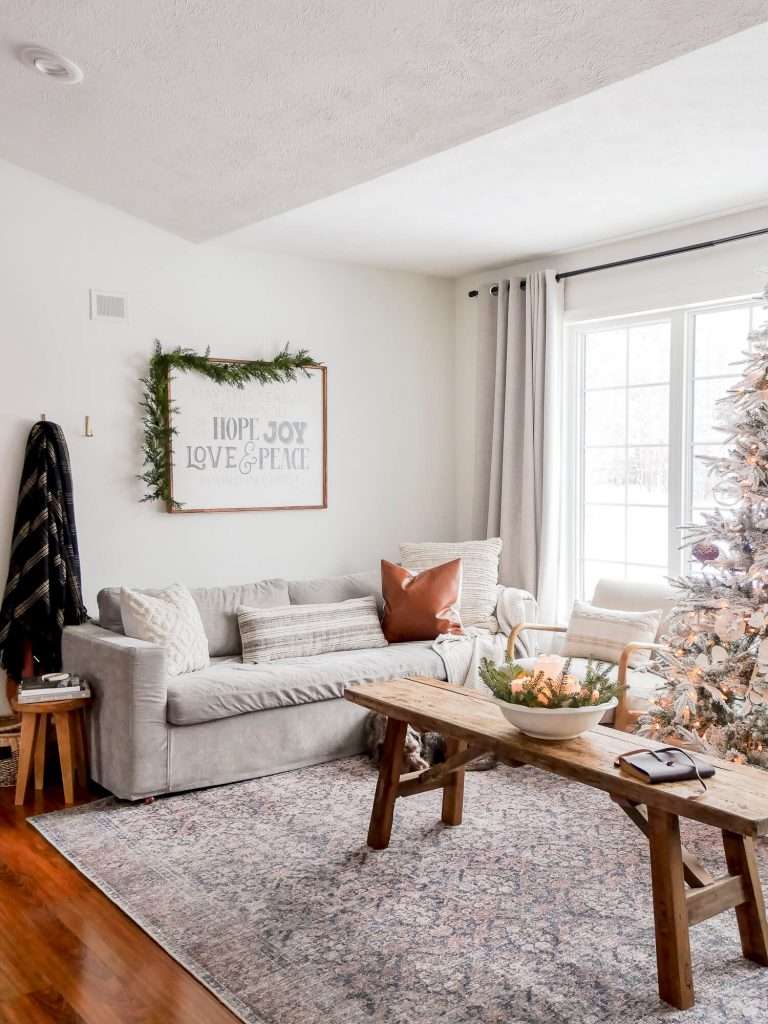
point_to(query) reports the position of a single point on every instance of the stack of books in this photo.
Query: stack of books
(53, 686)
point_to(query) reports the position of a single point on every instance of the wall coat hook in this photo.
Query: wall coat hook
(87, 429)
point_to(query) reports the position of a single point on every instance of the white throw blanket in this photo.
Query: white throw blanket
(462, 654)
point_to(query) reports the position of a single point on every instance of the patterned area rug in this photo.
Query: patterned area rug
(536, 910)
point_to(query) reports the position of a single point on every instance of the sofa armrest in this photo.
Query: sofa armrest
(128, 723)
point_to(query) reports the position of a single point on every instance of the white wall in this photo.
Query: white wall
(386, 337)
(723, 272)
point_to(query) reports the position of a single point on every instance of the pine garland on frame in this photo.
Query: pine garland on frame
(157, 446)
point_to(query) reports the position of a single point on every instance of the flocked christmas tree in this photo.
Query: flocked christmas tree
(717, 695)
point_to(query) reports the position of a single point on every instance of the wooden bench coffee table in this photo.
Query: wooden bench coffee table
(736, 803)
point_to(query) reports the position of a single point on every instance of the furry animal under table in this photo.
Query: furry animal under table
(420, 750)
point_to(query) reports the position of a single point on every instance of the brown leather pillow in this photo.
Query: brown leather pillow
(420, 606)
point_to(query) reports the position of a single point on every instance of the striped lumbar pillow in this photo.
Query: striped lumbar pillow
(301, 630)
(603, 633)
(479, 573)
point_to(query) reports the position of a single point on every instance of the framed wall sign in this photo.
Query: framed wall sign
(263, 446)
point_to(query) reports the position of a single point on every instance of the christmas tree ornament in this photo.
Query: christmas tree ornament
(729, 625)
(757, 619)
(705, 552)
(717, 656)
(726, 492)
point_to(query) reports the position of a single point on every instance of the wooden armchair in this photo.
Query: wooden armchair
(624, 716)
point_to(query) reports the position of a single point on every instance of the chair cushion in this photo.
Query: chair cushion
(642, 685)
(229, 687)
(603, 633)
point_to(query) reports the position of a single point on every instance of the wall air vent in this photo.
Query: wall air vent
(108, 306)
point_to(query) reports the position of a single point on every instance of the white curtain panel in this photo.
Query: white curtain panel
(526, 472)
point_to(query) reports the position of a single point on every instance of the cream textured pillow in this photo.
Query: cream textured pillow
(301, 630)
(479, 574)
(603, 633)
(171, 618)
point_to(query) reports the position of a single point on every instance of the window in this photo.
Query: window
(646, 408)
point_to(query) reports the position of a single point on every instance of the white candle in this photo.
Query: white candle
(551, 665)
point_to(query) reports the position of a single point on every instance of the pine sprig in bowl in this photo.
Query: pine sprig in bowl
(547, 701)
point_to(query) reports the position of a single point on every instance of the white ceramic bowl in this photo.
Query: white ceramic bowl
(555, 723)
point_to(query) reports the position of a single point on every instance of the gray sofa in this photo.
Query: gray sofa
(151, 733)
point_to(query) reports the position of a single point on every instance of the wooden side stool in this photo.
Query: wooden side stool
(69, 719)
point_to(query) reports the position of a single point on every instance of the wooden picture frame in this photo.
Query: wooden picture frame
(186, 387)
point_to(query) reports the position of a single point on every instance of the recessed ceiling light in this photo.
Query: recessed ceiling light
(51, 64)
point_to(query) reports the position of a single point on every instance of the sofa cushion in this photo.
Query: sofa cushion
(217, 606)
(229, 687)
(171, 619)
(331, 589)
(423, 605)
(303, 630)
(479, 573)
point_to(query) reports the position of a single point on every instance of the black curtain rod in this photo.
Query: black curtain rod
(494, 290)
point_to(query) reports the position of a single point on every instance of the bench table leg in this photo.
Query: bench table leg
(750, 915)
(380, 828)
(453, 790)
(673, 949)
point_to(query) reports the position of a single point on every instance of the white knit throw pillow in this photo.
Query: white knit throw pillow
(171, 618)
(479, 574)
(603, 633)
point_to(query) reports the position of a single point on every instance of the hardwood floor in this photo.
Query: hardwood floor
(67, 954)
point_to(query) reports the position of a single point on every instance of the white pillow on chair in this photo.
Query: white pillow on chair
(603, 633)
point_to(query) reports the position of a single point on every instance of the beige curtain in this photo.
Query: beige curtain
(522, 467)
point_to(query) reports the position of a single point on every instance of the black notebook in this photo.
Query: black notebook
(668, 764)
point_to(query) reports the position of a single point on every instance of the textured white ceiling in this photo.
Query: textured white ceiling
(205, 116)
(676, 143)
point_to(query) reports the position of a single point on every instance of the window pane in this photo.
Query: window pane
(604, 417)
(720, 338)
(647, 573)
(648, 476)
(594, 571)
(647, 535)
(648, 415)
(701, 484)
(706, 413)
(604, 475)
(606, 358)
(649, 353)
(604, 532)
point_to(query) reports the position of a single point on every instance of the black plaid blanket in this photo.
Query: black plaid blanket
(43, 593)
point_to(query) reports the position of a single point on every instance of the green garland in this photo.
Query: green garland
(158, 432)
